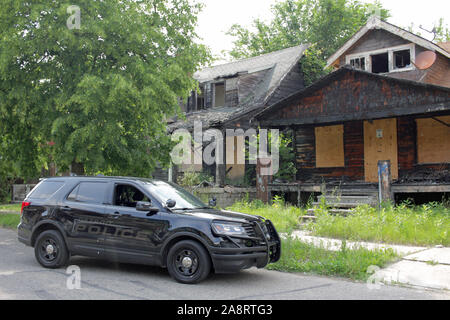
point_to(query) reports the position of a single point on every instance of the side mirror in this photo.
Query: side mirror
(171, 203)
(146, 207)
(212, 202)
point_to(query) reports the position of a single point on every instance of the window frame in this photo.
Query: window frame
(107, 188)
(390, 51)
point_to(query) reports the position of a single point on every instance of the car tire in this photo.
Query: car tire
(188, 262)
(50, 250)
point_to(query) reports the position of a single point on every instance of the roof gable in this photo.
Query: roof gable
(279, 62)
(375, 23)
(349, 94)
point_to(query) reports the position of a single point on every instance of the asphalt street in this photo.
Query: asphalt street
(21, 277)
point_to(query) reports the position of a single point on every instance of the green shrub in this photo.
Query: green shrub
(192, 179)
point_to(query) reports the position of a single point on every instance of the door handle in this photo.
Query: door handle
(66, 208)
(116, 215)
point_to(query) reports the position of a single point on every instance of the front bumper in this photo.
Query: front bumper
(231, 260)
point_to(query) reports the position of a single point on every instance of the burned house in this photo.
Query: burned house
(389, 99)
(230, 94)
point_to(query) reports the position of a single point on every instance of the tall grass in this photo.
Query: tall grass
(298, 256)
(10, 207)
(9, 220)
(428, 224)
(285, 218)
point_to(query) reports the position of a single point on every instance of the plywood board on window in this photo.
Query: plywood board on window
(433, 140)
(380, 143)
(330, 146)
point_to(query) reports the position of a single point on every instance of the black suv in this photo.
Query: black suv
(134, 220)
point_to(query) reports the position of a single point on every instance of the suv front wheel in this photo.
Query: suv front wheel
(50, 250)
(188, 262)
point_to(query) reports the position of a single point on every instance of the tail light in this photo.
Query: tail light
(24, 205)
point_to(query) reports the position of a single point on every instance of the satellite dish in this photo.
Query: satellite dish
(425, 60)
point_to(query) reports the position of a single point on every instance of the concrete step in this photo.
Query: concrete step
(337, 212)
(340, 205)
(348, 199)
(355, 192)
(307, 218)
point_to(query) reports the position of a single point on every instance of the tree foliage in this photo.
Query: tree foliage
(99, 94)
(325, 24)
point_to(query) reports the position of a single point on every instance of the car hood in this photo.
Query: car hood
(224, 215)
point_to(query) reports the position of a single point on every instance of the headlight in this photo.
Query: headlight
(228, 229)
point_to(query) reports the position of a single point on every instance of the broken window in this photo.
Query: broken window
(358, 63)
(380, 63)
(402, 59)
(219, 94)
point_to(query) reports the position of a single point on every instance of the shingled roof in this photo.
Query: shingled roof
(277, 65)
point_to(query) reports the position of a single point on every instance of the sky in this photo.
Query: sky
(218, 16)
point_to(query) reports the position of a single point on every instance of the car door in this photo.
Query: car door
(131, 235)
(84, 209)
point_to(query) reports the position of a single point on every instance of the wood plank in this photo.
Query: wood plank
(330, 146)
(380, 147)
(433, 140)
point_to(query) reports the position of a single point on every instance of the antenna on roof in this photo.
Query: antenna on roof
(433, 31)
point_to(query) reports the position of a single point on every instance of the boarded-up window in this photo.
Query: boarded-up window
(433, 140)
(330, 146)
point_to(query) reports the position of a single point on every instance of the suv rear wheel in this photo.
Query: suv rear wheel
(188, 262)
(50, 249)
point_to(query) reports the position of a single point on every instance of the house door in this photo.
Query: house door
(380, 143)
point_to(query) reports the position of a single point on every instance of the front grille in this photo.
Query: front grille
(250, 230)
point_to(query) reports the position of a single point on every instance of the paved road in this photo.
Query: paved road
(21, 277)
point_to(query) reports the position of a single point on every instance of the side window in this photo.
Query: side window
(89, 192)
(73, 195)
(128, 196)
(46, 189)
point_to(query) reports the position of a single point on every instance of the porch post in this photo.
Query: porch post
(385, 181)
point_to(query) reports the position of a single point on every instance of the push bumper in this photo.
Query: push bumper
(232, 260)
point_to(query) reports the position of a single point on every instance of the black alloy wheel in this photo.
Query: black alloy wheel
(50, 249)
(188, 262)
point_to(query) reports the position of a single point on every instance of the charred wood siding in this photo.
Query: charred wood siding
(293, 82)
(353, 151)
(357, 96)
(248, 84)
(409, 170)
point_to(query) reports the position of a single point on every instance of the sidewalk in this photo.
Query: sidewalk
(419, 266)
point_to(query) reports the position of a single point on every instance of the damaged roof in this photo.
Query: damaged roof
(274, 67)
(376, 23)
(338, 74)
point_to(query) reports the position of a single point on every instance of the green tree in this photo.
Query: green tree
(97, 93)
(325, 24)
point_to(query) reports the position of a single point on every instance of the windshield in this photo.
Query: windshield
(166, 190)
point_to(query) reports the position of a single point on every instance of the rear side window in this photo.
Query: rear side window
(89, 192)
(46, 189)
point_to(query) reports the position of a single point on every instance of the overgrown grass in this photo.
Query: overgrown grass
(11, 207)
(427, 224)
(424, 225)
(298, 256)
(9, 220)
(285, 218)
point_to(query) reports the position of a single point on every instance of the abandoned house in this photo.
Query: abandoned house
(230, 94)
(389, 99)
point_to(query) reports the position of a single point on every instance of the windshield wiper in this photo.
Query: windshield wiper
(196, 208)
